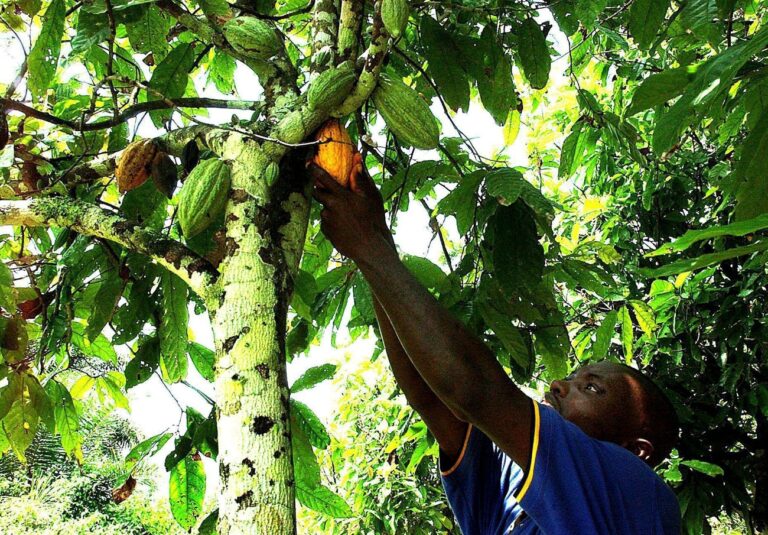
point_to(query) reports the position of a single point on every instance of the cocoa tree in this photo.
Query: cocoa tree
(114, 236)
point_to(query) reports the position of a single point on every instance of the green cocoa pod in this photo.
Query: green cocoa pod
(329, 90)
(203, 196)
(271, 173)
(252, 37)
(394, 15)
(407, 115)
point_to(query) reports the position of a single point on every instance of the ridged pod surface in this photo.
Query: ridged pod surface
(329, 90)
(252, 37)
(336, 153)
(135, 164)
(407, 115)
(394, 15)
(203, 196)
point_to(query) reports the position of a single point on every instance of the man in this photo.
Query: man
(579, 464)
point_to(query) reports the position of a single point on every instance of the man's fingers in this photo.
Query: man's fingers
(323, 196)
(319, 175)
(360, 181)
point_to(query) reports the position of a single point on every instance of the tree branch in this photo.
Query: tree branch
(375, 55)
(325, 22)
(91, 220)
(350, 20)
(129, 112)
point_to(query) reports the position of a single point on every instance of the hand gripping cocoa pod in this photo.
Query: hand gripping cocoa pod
(394, 15)
(203, 196)
(336, 152)
(407, 115)
(135, 164)
(164, 174)
(329, 90)
(252, 37)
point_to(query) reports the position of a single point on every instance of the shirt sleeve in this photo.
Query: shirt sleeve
(577, 484)
(481, 486)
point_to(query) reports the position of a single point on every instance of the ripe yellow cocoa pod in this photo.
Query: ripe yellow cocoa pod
(135, 164)
(336, 152)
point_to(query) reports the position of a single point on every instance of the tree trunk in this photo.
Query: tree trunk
(265, 231)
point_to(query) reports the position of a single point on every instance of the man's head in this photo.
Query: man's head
(618, 404)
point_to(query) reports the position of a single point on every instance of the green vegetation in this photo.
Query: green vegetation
(619, 212)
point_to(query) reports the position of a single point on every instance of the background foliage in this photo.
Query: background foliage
(634, 230)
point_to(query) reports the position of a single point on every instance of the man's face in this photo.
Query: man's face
(602, 399)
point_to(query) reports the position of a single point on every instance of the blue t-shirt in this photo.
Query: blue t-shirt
(575, 485)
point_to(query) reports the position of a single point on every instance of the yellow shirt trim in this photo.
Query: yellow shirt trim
(453, 468)
(534, 450)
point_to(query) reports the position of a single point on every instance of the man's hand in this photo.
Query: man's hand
(352, 219)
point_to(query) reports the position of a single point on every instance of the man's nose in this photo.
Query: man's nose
(559, 388)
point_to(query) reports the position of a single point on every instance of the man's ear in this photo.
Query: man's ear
(642, 448)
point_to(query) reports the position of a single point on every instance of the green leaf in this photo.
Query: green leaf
(20, 425)
(100, 348)
(511, 127)
(67, 420)
(310, 424)
(146, 448)
(518, 257)
(144, 363)
(209, 525)
(573, 150)
(752, 172)
(603, 335)
(148, 33)
(713, 78)
(110, 290)
(321, 499)
(204, 360)
(172, 330)
(443, 56)
(709, 469)
(313, 376)
(659, 88)
(505, 184)
(627, 335)
(426, 272)
(646, 317)
(213, 8)
(552, 345)
(170, 78)
(512, 338)
(7, 299)
(221, 71)
(740, 228)
(146, 205)
(462, 201)
(533, 53)
(645, 19)
(92, 29)
(692, 264)
(10, 393)
(186, 491)
(112, 385)
(494, 82)
(44, 56)
(304, 461)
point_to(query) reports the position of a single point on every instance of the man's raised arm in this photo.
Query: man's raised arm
(454, 363)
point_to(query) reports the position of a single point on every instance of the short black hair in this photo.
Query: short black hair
(660, 424)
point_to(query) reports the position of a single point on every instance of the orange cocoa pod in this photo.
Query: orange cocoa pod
(336, 152)
(135, 164)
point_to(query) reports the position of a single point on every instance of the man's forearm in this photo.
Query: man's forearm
(456, 365)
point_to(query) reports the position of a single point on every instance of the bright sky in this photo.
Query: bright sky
(153, 408)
